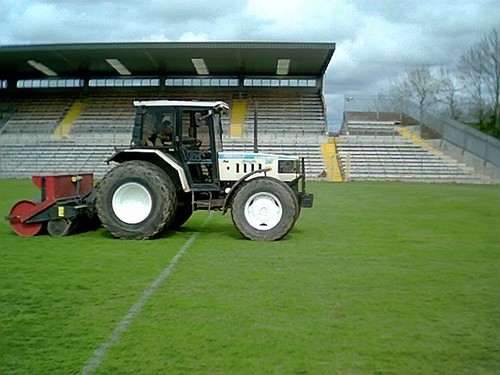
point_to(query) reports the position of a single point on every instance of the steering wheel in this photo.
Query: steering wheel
(191, 143)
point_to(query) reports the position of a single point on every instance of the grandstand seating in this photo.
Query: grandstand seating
(53, 157)
(291, 122)
(377, 151)
(288, 112)
(36, 113)
(106, 113)
(372, 129)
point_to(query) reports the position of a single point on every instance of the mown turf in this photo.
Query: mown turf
(377, 278)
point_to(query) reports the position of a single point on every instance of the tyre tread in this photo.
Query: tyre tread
(157, 178)
(276, 187)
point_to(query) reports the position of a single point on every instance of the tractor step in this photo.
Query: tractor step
(209, 204)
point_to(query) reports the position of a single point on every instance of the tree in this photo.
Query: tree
(448, 94)
(475, 82)
(418, 84)
(479, 69)
(490, 49)
(471, 71)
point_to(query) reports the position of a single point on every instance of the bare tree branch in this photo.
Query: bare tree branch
(490, 49)
(418, 85)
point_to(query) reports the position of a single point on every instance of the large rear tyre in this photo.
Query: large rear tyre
(264, 209)
(136, 200)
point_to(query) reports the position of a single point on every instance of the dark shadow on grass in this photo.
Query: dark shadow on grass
(106, 234)
(224, 230)
(295, 230)
(228, 230)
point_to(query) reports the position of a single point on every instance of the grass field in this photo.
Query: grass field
(377, 278)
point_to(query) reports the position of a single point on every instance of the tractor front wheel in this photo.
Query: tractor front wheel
(136, 200)
(264, 209)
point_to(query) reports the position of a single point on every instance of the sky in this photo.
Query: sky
(377, 41)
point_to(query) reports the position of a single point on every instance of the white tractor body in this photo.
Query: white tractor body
(235, 165)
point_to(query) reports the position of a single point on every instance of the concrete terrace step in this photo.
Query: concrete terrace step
(416, 177)
(394, 157)
(68, 157)
(53, 157)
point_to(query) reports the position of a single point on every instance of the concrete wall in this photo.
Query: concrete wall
(480, 165)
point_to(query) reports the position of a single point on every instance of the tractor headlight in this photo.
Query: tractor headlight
(288, 166)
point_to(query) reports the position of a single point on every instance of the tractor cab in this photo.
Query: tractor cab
(190, 132)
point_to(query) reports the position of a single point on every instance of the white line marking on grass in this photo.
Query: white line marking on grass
(99, 354)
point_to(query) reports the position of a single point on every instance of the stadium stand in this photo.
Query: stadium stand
(289, 113)
(105, 114)
(50, 127)
(385, 150)
(22, 160)
(73, 122)
(106, 121)
(35, 113)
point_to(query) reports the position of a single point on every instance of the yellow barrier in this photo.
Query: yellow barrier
(420, 141)
(64, 126)
(330, 159)
(238, 115)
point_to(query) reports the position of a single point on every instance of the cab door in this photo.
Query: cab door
(197, 148)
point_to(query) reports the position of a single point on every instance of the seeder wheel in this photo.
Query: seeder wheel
(59, 227)
(21, 209)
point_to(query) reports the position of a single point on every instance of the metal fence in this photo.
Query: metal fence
(463, 136)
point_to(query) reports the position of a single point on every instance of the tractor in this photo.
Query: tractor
(176, 165)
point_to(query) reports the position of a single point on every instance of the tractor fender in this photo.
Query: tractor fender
(237, 184)
(156, 157)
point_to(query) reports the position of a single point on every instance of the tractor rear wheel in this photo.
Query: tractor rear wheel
(136, 200)
(264, 209)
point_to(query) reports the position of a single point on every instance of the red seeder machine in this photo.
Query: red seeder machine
(66, 205)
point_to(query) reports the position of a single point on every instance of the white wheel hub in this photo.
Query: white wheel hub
(132, 203)
(263, 211)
